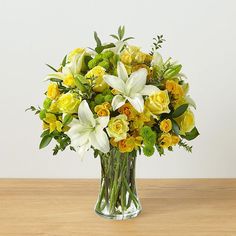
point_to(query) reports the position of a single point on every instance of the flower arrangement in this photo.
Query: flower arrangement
(120, 102)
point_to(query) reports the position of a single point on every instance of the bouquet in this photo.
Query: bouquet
(120, 102)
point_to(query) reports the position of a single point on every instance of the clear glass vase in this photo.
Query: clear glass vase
(118, 197)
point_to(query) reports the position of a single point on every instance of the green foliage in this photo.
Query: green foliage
(45, 141)
(108, 98)
(191, 135)
(172, 71)
(175, 127)
(99, 98)
(105, 64)
(185, 146)
(148, 150)
(157, 43)
(47, 103)
(67, 119)
(63, 63)
(120, 35)
(179, 111)
(51, 67)
(42, 114)
(32, 108)
(160, 150)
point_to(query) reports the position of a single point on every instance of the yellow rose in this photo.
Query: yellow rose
(53, 108)
(186, 122)
(140, 57)
(165, 140)
(68, 103)
(69, 80)
(126, 57)
(166, 125)
(103, 109)
(158, 102)
(126, 145)
(175, 139)
(118, 127)
(97, 74)
(128, 110)
(53, 91)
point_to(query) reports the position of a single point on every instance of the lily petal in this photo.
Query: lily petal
(117, 102)
(121, 71)
(99, 140)
(137, 102)
(82, 149)
(149, 89)
(85, 114)
(136, 81)
(115, 82)
(157, 60)
(103, 121)
(56, 75)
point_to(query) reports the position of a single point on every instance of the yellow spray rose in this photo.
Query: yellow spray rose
(128, 110)
(118, 127)
(53, 91)
(126, 145)
(166, 125)
(97, 74)
(175, 139)
(165, 140)
(175, 89)
(68, 103)
(186, 122)
(69, 80)
(103, 109)
(158, 102)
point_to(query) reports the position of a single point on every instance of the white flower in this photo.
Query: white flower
(157, 60)
(130, 88)
(87, 131)
(73, 68)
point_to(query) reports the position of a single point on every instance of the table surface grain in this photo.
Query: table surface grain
(175, 207)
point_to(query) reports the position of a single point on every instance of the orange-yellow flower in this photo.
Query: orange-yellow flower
(128, 110)
(166, 125)
(103, 109)
(165, 140)
(126, 145)
(53, 91)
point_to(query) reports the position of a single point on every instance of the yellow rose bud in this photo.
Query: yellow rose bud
(166, 125)
(101, 110)
(175, 139)
(126, 145)
(69, 81)
(158, 102)
(53, 91)
(118, 127)
(97, 74)
(165, 140)
(68, 103)
(186, 122)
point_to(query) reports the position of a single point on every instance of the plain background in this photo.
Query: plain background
(200, 34)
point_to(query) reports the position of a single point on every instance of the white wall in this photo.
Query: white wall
(200, 34)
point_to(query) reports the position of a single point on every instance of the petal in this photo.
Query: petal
(117, 102)
(82, 149)
(136, 81)
(103, 121)
(137, 102)
(85, 114)
(149, 89)
(99, 140)
(56, 75)
(121, 71)
(115, 82)
(157, 60)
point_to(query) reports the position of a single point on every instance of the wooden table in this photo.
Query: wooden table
(170, 207)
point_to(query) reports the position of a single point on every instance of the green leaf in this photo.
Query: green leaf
(67, 119)
(173, 71)
(179, 111)
(128, 39)
(45, 141)
(79, 85)
(55, 80)
(175, 127)
(51, 67)
(121, 32)
(64, 61)
(99, 49)
(31, 108)
(82, 79)
(97, 39)
(191, 135)
(45, 132)
(114, 36)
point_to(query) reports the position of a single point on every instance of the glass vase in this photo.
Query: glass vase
(118, 197)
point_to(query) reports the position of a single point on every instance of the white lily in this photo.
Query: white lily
(130, 88)
(157, 60)
(73, 68)
(87, 131)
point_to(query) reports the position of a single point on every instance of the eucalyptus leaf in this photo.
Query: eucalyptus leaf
(175, 127)
(67, 119)
(45, 141)
(179, 111)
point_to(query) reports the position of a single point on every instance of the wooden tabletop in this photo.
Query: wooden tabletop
(170, 207)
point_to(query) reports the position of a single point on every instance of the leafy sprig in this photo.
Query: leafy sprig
(121, 34)
(185, 146)
(157, 43)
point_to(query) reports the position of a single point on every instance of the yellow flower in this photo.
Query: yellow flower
(175, 139)
(53, 108)
(103, 109)
(158, 102)
(68, 103)
(97, 74)
(69, 80)
(166, 125)
(126, 145)
(128, 110)
(53, 91)
(175, 89)
(53, 123)
(75, 52)
(126, 57)
(140, 57)
(165, 140)
(186, 122)
(118, 127)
